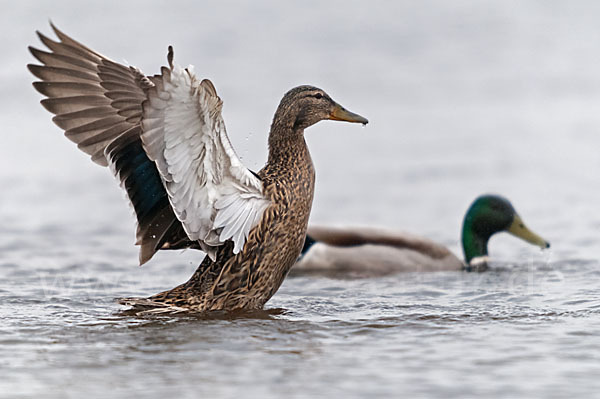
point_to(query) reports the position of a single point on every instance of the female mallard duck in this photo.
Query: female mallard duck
(376, 252)
(165, 140)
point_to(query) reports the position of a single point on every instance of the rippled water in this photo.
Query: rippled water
(462, 98)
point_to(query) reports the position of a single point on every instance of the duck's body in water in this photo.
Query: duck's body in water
(165, 139)
(372, 252)
(247, 280)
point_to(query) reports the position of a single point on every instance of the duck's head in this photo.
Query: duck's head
(488, 215)
(303, 106)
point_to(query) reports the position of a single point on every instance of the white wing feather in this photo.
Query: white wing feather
(213, 195)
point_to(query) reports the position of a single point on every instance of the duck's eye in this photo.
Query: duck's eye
(318, 96)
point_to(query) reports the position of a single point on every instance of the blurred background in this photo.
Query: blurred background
(463, 98)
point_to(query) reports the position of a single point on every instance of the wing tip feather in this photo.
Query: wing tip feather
(36, 70)
(54, 28)
(170, 56)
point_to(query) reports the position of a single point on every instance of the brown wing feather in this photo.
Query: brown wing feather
(94, 99)
(98, 103)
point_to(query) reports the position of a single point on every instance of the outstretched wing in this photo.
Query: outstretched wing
(95, 100)
(98, 103)
(213, 195)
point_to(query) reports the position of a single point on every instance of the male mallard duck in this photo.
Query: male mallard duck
(165, 140)
(376, 252)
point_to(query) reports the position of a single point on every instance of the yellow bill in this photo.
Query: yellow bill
(340, 113)
(518, 229)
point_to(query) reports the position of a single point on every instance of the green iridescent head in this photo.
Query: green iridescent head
(488, 215)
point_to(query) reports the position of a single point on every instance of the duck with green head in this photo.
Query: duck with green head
(368, 252)
(488, 215)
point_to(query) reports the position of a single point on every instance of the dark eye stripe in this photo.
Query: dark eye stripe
(317, 95)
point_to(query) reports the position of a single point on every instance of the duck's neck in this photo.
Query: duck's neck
(474, 243)
(286, 145)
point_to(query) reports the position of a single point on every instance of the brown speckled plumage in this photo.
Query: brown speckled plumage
(249, 279)
(164, 157)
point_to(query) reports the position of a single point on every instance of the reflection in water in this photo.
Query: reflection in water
(185, 315)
